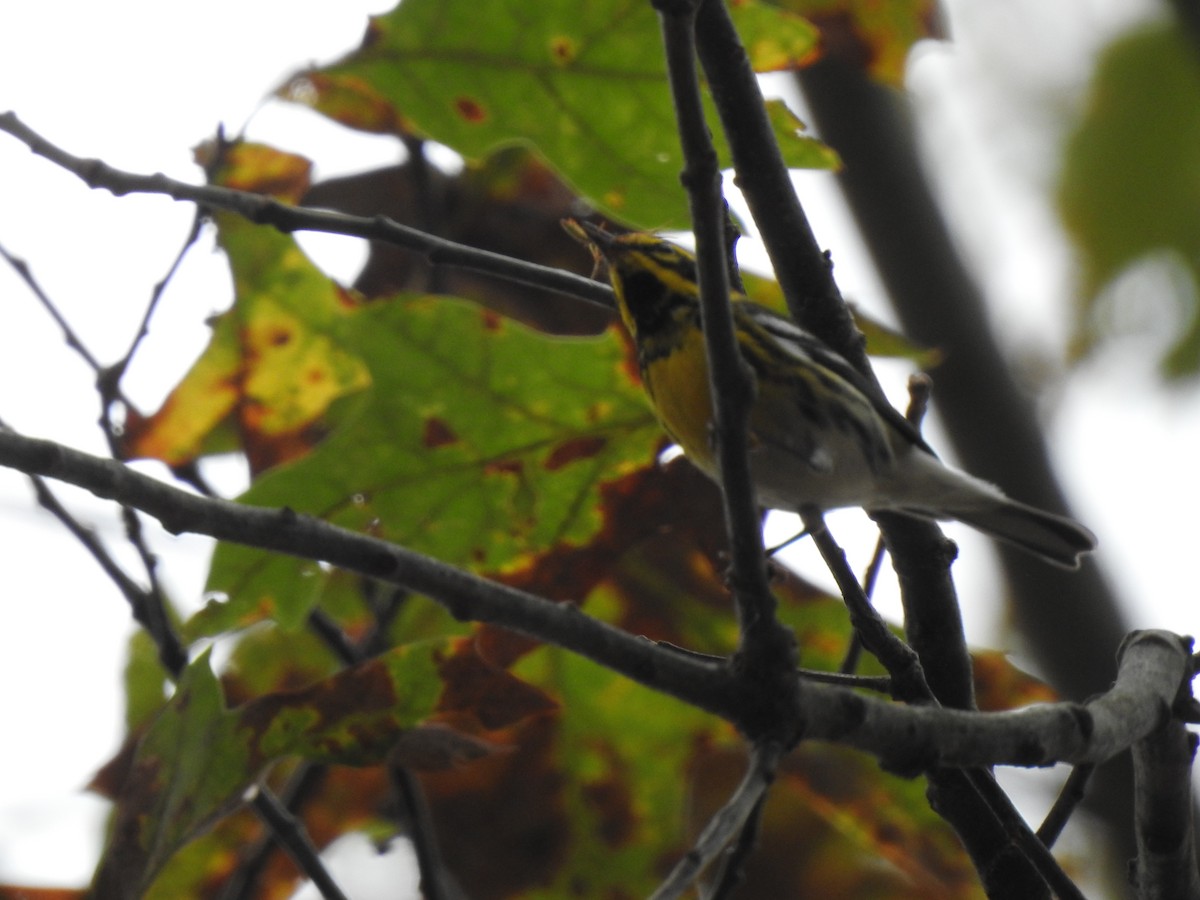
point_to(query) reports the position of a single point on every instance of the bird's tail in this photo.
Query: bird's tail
(933, 490)
(1054, 538)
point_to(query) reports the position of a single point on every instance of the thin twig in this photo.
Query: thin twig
(900, 660)
(908, 679)
(1073, 791)
(145, 606)
(334, 638)
(291, 834)
(243, 881)
(308, 777)
(725, 824)
(267, 211)
(118, 369)
(421, 833)
(149, 605)
(1024, 840)
(805, 274)
(870, 578)
(733, 869)
(804, 270)
(21, 267)
(880, 683)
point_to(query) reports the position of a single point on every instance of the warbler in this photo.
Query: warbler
(819, 437)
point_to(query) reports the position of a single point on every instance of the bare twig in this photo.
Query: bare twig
(421, 832)
(117, 371)
(291, 834)
(21, 267)
(1073, 791)
(266, 211)
(805, 274)
(723, 826)
(146, 606)
(243, 881)
(1024, 841)
(149, 607)
(804, 271)
(733, 867)
(898, 658)
(880, 683)
(870, 577)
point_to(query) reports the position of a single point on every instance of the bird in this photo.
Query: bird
(819, 436)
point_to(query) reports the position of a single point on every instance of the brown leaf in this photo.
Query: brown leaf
(510, 204)
(436, 747)
(494, 697)
(501, 822)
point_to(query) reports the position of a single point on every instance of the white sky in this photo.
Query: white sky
(139, 83)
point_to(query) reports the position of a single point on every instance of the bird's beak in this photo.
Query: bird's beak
(589, 234)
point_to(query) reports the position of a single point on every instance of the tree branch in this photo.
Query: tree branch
(906, 739)
(267, 211)
(1166, 840)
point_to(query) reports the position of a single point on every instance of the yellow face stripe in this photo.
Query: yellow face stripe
(658, 295)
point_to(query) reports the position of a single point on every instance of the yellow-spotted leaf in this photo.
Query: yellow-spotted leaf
(584, 84)
(479, 442)
(272, 367)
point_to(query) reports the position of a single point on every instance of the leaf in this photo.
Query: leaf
(876, 36)
(502, 824)
(197, 759)
(145, 681)
(421, 419)
(272, 367)
(799, 150)
(885, 341)
(509, 203)
(345, 799)
(882, 340)
(1001, 685)
(1129, 190)
(835, 825)
(585, 85)
(478, 442)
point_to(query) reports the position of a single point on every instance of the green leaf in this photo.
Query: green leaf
(424, 420)
(478, 442)
(624, 750)
(145, 681)
(1129, 189)
(584, 84)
